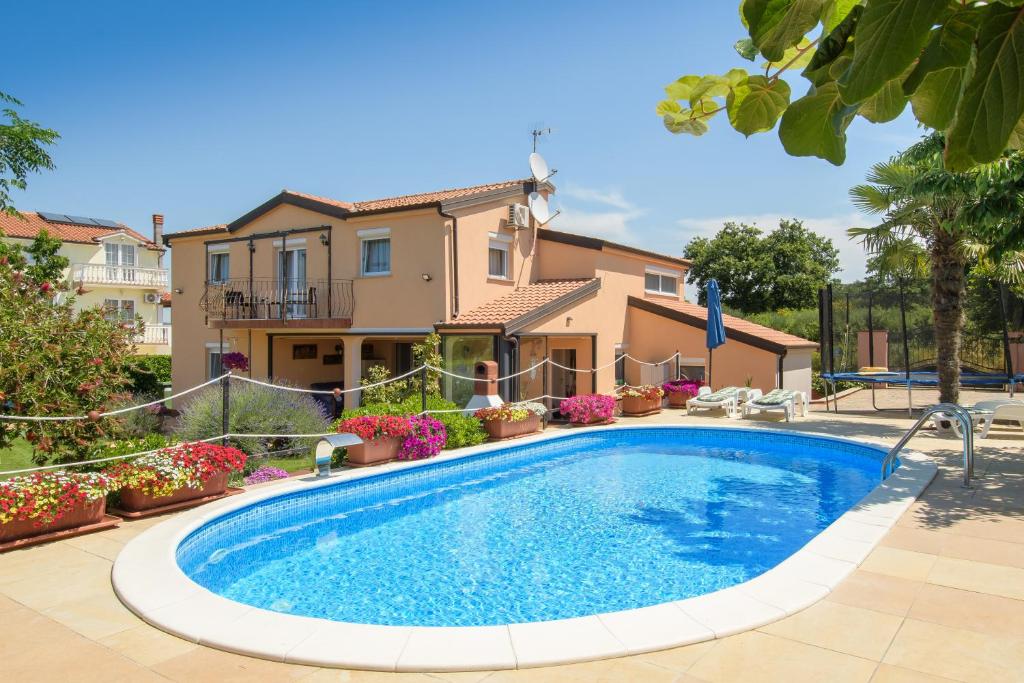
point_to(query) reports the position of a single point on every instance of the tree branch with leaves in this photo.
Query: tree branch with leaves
(22, 151)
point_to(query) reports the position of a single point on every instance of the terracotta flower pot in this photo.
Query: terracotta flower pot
(134, 500)
(88, 512)
(499, 430)
(678, 399)
(594, 420)
(636, 405)
(374, 451)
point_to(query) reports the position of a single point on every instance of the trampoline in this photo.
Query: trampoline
(859, 341)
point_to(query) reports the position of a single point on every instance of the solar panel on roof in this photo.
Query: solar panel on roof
(82, 220)
(106, 223)
(54, 217)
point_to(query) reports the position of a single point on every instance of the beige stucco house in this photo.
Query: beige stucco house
(315, 291)
(110, 265)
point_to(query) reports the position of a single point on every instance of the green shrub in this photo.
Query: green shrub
(463, 429)
(138, 424)
(148, 374)
(254, 409)
(392, 392)
(109, 449)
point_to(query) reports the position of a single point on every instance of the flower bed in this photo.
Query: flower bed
(679, 391)
(588, 409)
(174, 475)
(511, 420)
(264, 474)
(641, 400)
(426, 438)
(45, 502)
(382, 437)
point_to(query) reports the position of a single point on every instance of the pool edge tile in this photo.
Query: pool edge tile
(546, 643)
(457, 648)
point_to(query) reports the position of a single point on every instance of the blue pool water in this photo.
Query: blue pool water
(580, 525)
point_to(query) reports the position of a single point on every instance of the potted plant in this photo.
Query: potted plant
(382, 437)
(588, 409)
(679, 391)
(641, 400)
(511, 420)
(427, 436)
(45, 502)
(175, 475)
(235, 360)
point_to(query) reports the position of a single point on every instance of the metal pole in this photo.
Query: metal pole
(679, 366)
(1007, 357)
(906, 351)
(711, 353)
(225, 387)
(544, 381)
(423, 388)
(831, 335)
(871, 332)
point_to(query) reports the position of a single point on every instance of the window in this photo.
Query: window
(119, 254)
(119, 310)
(661, 281)
(498, 256)
(220, 265)
(214, 354)
(375, 251)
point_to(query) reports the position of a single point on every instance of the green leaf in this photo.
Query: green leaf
(736, 76)
(993, 100)
(950, 46)
(935, 100)
(777, 25)
(1017, 137)
(833, 46)
(745, 48)
(889, 37)
(796, 57)
(756, 105)
(885, 105)
(667, 107)
(680, 89)
(682, 123)
(808, 127)
(709, 86)
(836, 12)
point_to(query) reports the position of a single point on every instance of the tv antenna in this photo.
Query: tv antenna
(536, 133)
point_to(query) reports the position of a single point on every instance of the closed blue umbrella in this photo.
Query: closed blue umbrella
(716, 328)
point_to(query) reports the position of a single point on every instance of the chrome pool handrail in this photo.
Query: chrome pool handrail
(966, 430)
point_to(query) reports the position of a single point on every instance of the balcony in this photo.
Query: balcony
(265, 302)
(158, 335)
(119, 276)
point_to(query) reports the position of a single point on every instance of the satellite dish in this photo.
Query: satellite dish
(539, 208)
(539, 168)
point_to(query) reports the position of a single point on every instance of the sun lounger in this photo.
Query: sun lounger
(785, 400)
(984, 413)
(728, 399)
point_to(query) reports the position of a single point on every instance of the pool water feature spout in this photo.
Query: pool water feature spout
(324, 451)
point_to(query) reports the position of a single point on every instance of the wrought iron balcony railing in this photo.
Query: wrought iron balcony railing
(273, 299)
(123, 276)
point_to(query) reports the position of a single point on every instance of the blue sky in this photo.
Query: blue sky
(201, 111)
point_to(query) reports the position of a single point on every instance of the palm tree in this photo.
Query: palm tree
(952, 219)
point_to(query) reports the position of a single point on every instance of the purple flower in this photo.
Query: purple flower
(265, 473)
(426, 438)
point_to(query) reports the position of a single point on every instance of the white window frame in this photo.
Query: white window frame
(118, 308)
(373, 235)
(502, 243)
(219, 250)
(662, 273)
(214, 348)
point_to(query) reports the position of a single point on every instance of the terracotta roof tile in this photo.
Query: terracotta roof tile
(32, 223)
(521, 302)
(432, 197)
(736, 325)
(220, 227)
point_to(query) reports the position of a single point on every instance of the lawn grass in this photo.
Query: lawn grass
(17, 457)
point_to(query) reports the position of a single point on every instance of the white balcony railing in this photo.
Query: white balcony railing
(155, 334)
(124, 276)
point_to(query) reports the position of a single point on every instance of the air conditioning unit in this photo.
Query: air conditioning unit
(519, 216)
(151, 298)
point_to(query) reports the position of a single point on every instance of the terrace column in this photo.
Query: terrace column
(353, 368)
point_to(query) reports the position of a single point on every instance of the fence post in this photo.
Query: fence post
(423, 388)
(225, 386)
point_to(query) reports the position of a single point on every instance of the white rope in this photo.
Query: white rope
(109, 413)
(91, 462)
(331, 391)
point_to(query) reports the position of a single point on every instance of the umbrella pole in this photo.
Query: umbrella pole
(710, 358)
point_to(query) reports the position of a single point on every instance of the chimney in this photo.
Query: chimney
(158, 237)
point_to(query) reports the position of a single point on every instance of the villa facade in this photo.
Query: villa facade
(315, 291)
(110, 265)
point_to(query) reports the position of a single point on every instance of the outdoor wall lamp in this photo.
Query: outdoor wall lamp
(324, 240)
(568, 320)
(179, 290)
(252, 246)
(426, 277)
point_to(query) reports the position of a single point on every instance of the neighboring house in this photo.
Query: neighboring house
(315, 291)
(111, 266)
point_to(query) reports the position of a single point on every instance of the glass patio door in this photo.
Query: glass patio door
(120, 260)
(563, 382)
(291, 276)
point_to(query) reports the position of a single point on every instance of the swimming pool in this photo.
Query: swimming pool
(664, 522)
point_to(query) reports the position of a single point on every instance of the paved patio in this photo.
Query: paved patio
(942, 597)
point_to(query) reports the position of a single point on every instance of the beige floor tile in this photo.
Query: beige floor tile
(625, 670)
(879, 592)
(956, 653)
(96, 544)
(993, 527)
(887, 673)
(680, 658)
(463, 676)
(969, 610)
(94, 617)
(43, 589)
(983, 550)
(345, 676)
(979, 576)
(206, 664)
(147, 645)
(52, 558)
(854, 631)
(756, 656)
(917, 540)
(904, 564)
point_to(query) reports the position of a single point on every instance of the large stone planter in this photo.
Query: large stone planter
(374, 451)
(678, 399)
(88, 512)
(499, 430)
(635, 406)
(134, 500)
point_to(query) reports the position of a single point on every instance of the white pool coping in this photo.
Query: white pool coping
(147, 579)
